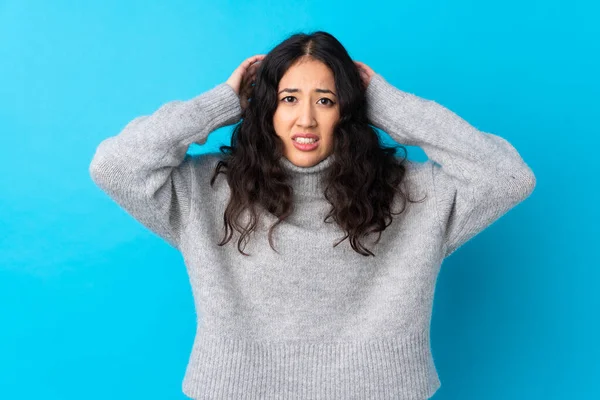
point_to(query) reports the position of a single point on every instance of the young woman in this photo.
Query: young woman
(311, 263)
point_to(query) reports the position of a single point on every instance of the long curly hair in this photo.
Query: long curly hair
(361, 183)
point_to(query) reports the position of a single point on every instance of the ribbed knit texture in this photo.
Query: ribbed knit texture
(312, 321)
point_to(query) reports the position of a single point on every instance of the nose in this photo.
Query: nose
(306, 117)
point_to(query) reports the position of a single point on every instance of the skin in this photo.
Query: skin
(366, 73)
(243, 77)
(305, 110)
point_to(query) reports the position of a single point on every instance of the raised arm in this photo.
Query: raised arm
(145, 168)
(477, 176)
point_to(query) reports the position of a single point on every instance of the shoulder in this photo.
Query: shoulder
(203, 165)
(416, 169)
(418, 178)
(203, 168)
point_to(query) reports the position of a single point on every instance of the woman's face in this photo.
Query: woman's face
(307, 103)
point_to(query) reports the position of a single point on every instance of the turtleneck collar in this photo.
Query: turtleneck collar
(307, 180)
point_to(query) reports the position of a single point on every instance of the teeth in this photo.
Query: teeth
(304, 140)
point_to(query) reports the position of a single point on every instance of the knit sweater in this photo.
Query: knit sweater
(312, 321)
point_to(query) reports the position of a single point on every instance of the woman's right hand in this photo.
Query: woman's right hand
(243, 77)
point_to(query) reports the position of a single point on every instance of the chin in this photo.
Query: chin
(306, 161)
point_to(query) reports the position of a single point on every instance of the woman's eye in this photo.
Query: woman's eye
(330, 101)
(324, 98)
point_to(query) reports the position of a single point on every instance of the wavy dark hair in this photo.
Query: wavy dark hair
(361, 183)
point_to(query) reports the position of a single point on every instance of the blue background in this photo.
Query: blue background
(95, 306)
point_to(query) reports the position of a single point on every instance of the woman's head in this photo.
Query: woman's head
(307, 105)
(309, 84)
(307, 63)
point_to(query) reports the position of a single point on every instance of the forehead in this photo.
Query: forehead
(308, 74)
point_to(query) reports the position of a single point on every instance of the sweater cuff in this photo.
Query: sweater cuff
(384, 108)
(220, 106)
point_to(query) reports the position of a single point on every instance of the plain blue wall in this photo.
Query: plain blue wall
(94, 306)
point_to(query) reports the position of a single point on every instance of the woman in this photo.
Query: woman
(287, 311)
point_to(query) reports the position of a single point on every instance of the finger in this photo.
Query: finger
(247, 92)
(361, 67)
(248, 81)
(249, 77)
(253, 68)
(248, 65)
(252, 71)
(365, 67)
(253, 59)
(246, 70)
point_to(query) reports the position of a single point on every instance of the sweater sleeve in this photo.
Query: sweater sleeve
(477, 177)
(145, 168)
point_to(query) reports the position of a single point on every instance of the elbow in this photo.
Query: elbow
(522, 182)
(98, 166)
(96, 172)
(531, 183)
(105, 173)
(108, 165)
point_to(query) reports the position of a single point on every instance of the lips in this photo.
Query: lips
(305, 135)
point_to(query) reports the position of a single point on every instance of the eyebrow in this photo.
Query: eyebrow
(294, 90)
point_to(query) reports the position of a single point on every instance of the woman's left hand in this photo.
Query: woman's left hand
(366, 73)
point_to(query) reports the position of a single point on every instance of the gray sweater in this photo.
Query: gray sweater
(314, 321)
